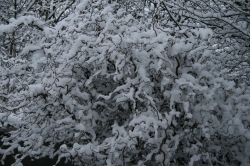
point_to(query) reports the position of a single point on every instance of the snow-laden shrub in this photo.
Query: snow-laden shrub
(110, 89)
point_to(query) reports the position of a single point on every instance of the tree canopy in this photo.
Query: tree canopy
(102, 82)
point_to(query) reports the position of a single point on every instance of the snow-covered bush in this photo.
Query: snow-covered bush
(105, 88)
(229, 21)
(22, 18)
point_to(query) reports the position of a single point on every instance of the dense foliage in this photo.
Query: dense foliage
(107, 85)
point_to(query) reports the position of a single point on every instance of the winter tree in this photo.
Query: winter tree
(229, 21)
(25, 15)
(104, 86)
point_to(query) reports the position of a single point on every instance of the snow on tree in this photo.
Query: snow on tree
(25, 16)
(104, 87)
(229, 21)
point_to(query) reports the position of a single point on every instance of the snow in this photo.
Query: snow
(68, 120)
(81, 127)
(82, 5)
(32, 48)
(205, 33)
(12, 118)
(36, 89)
(180, 47)
(14, 23)
(193, 159)
(105, 87)
(142, 73)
